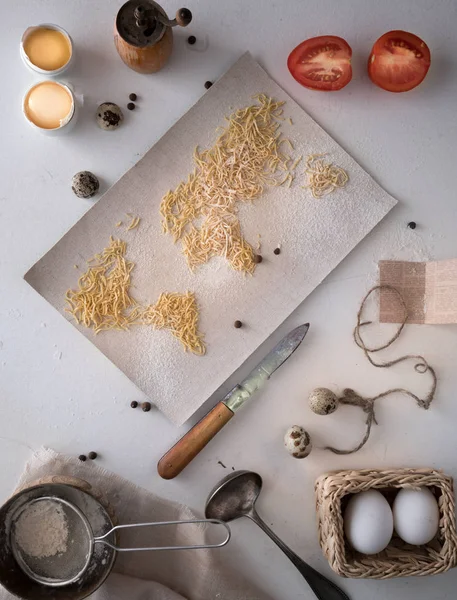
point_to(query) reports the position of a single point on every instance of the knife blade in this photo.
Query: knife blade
(187, 448)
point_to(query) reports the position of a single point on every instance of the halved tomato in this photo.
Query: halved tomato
(322, 63)
(399, 61)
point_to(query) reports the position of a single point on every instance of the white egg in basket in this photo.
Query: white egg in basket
(416, 516)
(368, 522)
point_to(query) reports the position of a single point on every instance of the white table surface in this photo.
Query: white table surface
(57, 390)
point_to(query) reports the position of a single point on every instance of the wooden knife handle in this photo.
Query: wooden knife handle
(187, 448)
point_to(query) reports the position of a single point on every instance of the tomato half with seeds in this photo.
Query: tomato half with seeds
(399, 61)
(322, 63)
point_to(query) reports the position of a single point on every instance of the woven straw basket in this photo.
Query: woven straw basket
(399, 559)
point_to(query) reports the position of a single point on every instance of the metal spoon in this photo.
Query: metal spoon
(234, 497)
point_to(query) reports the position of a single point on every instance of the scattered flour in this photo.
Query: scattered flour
(42, 529)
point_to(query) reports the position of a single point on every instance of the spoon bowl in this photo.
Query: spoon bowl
(234, 496)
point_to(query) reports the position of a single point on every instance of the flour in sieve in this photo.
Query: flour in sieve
(42, 529)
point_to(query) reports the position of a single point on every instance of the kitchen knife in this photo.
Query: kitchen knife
(187, 448)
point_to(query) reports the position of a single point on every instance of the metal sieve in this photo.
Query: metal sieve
(66, 567)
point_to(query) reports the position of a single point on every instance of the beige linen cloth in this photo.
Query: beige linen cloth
(173, 575)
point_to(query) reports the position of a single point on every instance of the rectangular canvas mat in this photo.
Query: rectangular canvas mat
(429, 290)
(314, 235)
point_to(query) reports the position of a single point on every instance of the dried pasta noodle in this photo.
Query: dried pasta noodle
(323, 177)
(246, 158)
(218, 236)
(102, 301)
(134, 223)
(179, 314)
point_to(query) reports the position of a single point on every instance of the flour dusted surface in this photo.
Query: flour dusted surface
(314, 235)
(41, 529)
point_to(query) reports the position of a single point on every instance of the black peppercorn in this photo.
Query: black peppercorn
(277, 251)
(132, 97)
(208, 84)
(412, 225)
(237, 324)
(92, 455)
(184, 17)
(131, 106)
(146, 406)
(191, 40)
(257, 258)
(82, 457)
(133, 403)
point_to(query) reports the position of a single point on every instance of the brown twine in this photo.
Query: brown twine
(367, 404)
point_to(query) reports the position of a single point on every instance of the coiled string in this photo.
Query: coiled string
(367, 404)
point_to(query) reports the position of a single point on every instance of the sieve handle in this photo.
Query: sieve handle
(102, 539)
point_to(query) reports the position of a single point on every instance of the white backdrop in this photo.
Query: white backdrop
(56, 389)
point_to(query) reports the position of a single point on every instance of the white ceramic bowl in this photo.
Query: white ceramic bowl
(69, 120)
(26, 60)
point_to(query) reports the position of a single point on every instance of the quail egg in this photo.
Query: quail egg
(109, 116)
(323, 401)
(85, 184)
(297, 442)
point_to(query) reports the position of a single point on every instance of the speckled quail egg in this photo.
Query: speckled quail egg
(297, 442)
(323, 401)
(85, 184)
(109, 116)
